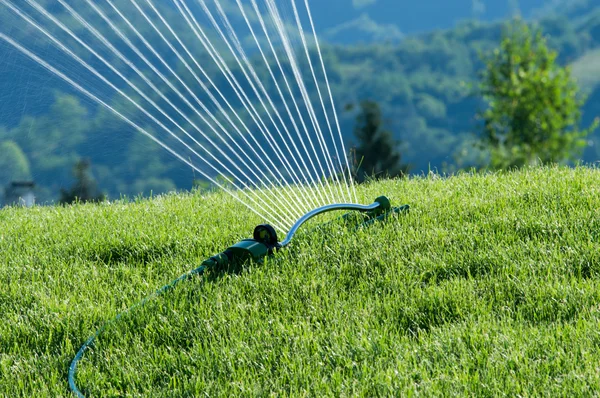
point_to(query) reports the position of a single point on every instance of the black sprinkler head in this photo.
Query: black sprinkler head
(266, 234)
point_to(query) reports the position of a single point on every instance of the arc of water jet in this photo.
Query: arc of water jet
(149, 46)
(215, 101)
(296, 129)
(97, 74)
(159, 92)
(166, 81)
(312, 70)
(238, 46)
(277, 20)
(312, 25)
(94, 98)
(287, 84)
(328, 157)
(250, 68)
(230, 77)
(221, 127)
(238, 90)
(301, 85)
(83, 63)
(128, 62)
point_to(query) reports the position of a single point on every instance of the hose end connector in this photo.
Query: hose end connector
(384, 204)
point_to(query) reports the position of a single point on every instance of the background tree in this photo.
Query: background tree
(14, 165)
(85, 188)
(533, 109)
(376, 153)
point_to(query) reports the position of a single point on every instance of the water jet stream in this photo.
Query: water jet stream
(318, 47)
(266, 149)
(312, 70)
(250, 69)
(240, 150)
(287, 84)
(178, 93)
(217, 58)
(249, 146)
(215, 101)
(285, 104)
(99, 101)
(140, 92)
(274, 12)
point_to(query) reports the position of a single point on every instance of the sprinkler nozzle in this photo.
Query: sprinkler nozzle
(266, 234)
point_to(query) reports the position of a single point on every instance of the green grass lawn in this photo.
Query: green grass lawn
(489, 286)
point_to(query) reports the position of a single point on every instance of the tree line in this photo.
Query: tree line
(419, 112)
(532, 114)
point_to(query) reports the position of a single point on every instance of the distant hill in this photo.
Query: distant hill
(348, 21)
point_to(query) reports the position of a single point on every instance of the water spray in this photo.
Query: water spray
(263, 243)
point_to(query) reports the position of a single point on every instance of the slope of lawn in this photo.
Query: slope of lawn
(489, 286)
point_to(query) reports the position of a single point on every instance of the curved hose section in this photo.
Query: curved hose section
(90, 341)
(325, 209)
(199, 271)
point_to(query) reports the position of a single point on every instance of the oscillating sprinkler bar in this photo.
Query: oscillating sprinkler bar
(379, 207)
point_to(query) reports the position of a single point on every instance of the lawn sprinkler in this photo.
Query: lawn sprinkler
(264, 243)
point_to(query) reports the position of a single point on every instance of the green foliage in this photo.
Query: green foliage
(421, 84)
(431, 107)
(52, 141)
(125, 163)
(84, 189)
(376, 153)
(534, 111)
(14, 165)
(488, 287)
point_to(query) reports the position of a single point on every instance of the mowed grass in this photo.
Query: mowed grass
(489, 286)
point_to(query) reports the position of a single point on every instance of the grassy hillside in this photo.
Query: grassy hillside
(489, 286)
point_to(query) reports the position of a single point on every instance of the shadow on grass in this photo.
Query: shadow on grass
(133, 253)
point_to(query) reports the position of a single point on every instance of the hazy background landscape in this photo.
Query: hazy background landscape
(419, 61)
(477, 283)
